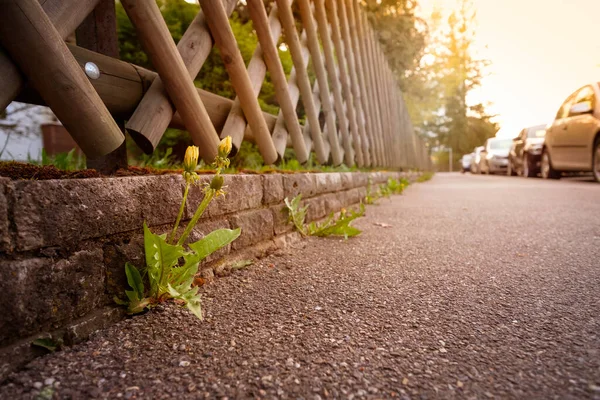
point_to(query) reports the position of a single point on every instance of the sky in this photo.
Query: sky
(540, 51)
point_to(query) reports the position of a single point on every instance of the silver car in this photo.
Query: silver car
(494, 158)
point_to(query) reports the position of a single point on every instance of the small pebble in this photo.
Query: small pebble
(38, 385)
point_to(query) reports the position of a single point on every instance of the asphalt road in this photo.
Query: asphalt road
(469, 287)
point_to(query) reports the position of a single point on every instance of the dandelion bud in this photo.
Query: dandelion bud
(190, 160)
(225, 147)
(217, 182)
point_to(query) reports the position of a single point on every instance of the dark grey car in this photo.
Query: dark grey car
(526, 152)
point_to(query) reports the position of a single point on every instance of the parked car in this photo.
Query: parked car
(573, 139)
(526, 152)
(494, 157)
(466, 162)
(476, 160)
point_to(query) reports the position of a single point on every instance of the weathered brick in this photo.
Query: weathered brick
(281, 222)
(273, 189)
(360, 179)
(38, 293)
(243, 192)
(53, 212)
(257, 225)
(328, 182)
(5, 244)
(316, 208)
(295, 184)
(347, 179)
(332, 202)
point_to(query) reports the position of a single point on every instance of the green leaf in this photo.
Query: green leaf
(134, 279)
(184, 275)
(214, 241)
(48, 343)
(190, 296)
(297, 213)
(160, 258)
(339, 227)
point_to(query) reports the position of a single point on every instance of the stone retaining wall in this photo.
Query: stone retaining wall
(64, 243)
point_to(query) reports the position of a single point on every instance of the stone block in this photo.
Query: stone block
(347, 179)
(5, 242)
(257, 225)
(328, 182)
(332, 202)
(281, 222)
(272, 189)
(361, 179)
(316, 208)
(295, 184)
(40, 293)
(64, 212)
(243, 192)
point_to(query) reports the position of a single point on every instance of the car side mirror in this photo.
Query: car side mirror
(585, 107)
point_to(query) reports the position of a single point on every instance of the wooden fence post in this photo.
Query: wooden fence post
(324, 94)
(222, 34)
(65, 15)
(369, 60)
(321, 17)
(312, 114)
(359, 68)
(154, 113)
(160, 47)
(344, 72)
(98, 33)
(43, 56)
(260, 20)
(354, 85)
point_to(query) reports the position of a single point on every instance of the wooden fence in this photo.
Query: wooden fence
(355, 113)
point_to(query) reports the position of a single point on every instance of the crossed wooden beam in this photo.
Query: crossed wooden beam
(365, 121)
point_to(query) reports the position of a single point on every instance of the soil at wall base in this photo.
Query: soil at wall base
(17, 170)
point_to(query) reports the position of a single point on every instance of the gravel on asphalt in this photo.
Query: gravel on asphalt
(480, 287)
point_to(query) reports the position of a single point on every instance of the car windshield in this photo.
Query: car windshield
(500, 144)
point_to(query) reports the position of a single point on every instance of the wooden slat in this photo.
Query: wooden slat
(154, 113)
(43, 56)
(302, 80)
(319, 67)
(280, 132)
(356, 34)
(332, 15)
(338, 101)
(267, 38)
(160, 47)
(218, 23)
(98, 33)
(354, 85)
(65, 15)
(369, 59)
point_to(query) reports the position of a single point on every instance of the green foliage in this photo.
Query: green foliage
(424, 177)
(166, 277)
(170, 268)
(70, 161)
(332, 226)
(392, 186)
(297, 213)
(49, 343)
(337, 226)
(159, 160)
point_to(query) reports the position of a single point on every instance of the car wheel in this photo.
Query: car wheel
(596, 160)
(547, 171)
(528, 171)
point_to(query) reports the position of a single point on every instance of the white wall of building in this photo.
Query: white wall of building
(21, 133)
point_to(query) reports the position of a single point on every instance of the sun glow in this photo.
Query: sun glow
(541, 51)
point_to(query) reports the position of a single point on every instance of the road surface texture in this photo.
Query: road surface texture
(480, 287)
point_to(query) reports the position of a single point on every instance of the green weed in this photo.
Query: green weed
(167, 276)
